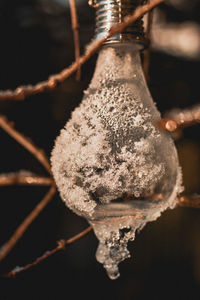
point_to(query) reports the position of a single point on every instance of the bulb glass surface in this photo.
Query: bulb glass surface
(110, 162)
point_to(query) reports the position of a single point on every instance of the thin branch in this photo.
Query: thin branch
(19, 179)
(61, 246)
(23, 91)
(189, 201)
(178, 118)
(75, 28)
(24, 141)
(7, 247)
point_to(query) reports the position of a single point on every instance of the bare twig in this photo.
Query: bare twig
(23, 91)
(7, 247)
(61, 246)
(180, 118)
(75, 27)
(189, 201)
(19, 179)
(24, 141)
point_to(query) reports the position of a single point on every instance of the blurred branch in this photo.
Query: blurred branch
(23, 91)
(146, 52)
(24, 141)
(7, 247)
(61, 246)
(75, 27)
(178, 118)
(189, 201)
(19, 178)
(175, 38)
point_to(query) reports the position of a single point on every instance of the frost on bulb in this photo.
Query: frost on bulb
(110, 162)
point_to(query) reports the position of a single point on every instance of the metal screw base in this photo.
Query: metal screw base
(112, 12)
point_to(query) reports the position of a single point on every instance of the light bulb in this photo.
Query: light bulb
(111, 163)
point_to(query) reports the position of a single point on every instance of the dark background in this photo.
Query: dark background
(35, 41)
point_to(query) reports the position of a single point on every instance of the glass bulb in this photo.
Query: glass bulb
(110, 162)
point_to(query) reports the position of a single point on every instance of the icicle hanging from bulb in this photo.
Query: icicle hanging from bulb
(110, 162)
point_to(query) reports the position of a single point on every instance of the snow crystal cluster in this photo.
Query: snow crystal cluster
(110, 162)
